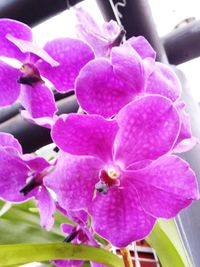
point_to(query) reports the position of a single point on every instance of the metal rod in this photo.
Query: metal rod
(33, 137)
(182, 44)
(33, 12)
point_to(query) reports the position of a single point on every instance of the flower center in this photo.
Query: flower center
(30, 75)
(113, 173)
(108, 178)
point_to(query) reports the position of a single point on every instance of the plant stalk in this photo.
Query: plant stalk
(126, 257)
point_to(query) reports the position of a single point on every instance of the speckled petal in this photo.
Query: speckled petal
(13, 175)
(149, 128)
(31, 47)
(16, 29)
(46, 122)
(90, 32)
(9, 88)
(38, 100)
(185, 141)
(129, 67)
(72, 55)
(100, 91)
(68, 263)
(80, 134)
(118, 216)
(46, 207)
(8, 140)
(163, 81)
(36, 164)
(170, 185)
(142, 46)
(95, 264)
(73, 180)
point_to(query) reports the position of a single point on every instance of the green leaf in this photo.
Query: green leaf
(23, 253)
(19, 225)
(168, 245)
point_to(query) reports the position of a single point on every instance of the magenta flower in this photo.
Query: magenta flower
(60, 62)
(21, 177)
(121, 170)
(105, 86)
(78, 234)
(101, 39)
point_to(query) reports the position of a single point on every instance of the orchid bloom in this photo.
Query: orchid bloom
(121, 170)
(21, 178)
(60, 62)
(101, 39)
(77, 234)
(104, 86)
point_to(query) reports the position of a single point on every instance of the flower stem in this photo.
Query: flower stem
(126, 257)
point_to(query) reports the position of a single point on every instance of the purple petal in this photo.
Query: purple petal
(30, 47)
(80, 134)
(38, 100)
(13, 175)
(37, 164)
(185, 132)
(119, 217)
(142, 46)
(129, 67)
(96, 264)
(46, 207)
(78, 216)
(148, 129)
(68, 263)
(66, 228)
(9, 88)
(91, 33)
(16, 29)
(46, 122)
(99, 91)
(73, 180)
(163, 81)
(72, 55)
(170, 185)
(7, 140)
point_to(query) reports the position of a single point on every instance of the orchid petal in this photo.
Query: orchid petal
(80, 134)
(46, 207)
(9, 88)
(68, 263)
(142, 46)
(16, 29)
(149, 127)
(31, 47)
(129, 67)
(75, 181)
(163, 81)
(169, 184)
(100, 91)
(119, 217)
(7, 140)
(185, 131)
(13, 174)
(38, 100)
(72, 55)
(46, 122)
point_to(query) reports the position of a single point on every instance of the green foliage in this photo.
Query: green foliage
(168, 245)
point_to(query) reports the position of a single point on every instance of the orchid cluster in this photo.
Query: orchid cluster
(115, 173)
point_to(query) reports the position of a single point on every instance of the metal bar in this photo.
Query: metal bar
(182, 44)
(33, 137)
(33, 12)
